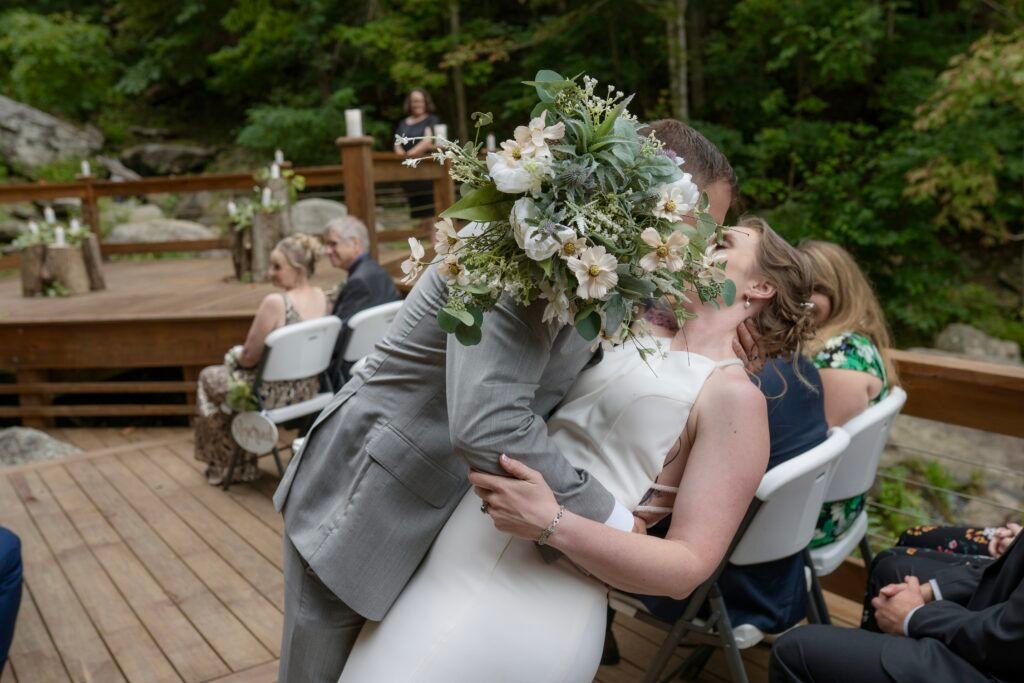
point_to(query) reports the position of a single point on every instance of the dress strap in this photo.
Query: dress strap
(290, 314)
(664, 488)
(726, 363)
(652, 508)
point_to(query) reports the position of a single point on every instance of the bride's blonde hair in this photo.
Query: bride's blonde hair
(301, 251)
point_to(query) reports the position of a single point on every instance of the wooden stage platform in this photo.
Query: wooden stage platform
(180, 313)
(137, 570)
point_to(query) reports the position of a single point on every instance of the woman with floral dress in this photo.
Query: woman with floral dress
(849, 350)
(224, 390)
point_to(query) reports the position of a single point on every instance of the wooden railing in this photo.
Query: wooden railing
(360, 171)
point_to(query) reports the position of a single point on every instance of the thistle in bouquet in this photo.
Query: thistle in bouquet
(578, 210)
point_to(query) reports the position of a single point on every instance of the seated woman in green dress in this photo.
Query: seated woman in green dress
(850, 351)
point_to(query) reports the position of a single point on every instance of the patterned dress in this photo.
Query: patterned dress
(847, 351)
(213, 442)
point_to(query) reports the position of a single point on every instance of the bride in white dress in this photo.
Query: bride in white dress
(486, 606)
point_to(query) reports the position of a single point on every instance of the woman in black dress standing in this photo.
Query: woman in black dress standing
(419, 121)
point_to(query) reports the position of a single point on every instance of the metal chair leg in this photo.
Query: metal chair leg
(724, 628)
(277, 459)
(693, 666)
(816, 595)
(865, 551)
(668, 648)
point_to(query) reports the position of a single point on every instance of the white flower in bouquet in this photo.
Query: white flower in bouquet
(453, 271)
(677, 200)
(595, 273)
(534, 242)
(572, 244)
(519, 177)
(413, 266)
(512, 152)
(446, 239)
(668, 253)
(533, 139)
(558, 308)
(712, 270)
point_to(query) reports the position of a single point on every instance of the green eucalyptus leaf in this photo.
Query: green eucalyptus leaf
(484, 204)
(589, 326)
(634, 286)
(541, 108)
(469, 335)
(477, 313)
(729, 292)
(706, 225)
(447, 320)
(614, 312)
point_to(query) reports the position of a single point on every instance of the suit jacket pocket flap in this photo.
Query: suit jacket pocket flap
(409, 465)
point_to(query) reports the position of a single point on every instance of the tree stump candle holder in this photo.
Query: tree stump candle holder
(267, 229)
(66, 269)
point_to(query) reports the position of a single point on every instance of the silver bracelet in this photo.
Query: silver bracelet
(546, 534)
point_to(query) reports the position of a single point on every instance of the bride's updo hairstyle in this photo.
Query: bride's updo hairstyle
(786, 322)
(301, 251)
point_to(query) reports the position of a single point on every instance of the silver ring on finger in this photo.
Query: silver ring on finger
(483, 507)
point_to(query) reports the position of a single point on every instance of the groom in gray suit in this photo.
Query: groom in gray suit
(385, 464)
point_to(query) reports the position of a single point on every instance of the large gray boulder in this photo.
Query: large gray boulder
(160, 230)
(312, 215)
(166, 158)
(973, 343)
(20, 445)
(31, 138)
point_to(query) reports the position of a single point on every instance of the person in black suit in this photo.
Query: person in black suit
(346, 242)
(942, 619)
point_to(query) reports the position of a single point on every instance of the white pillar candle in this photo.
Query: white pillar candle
(440, 133)
(75, 226)
(492, 143)
(49, 215)
(86, 169)
(33, 227)
(354, 123)
(58, 237)
(267, 196)
(232, 209)
(275, 171)
(278, 157)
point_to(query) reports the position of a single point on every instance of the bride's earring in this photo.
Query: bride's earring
(746, 302)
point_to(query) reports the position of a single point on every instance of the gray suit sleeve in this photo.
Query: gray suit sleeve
(491, 387)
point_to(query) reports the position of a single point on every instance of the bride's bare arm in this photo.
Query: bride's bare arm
(724, 467)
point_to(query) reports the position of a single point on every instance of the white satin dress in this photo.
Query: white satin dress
(485, 606)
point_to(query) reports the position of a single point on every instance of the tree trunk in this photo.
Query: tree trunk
(462, 117)
(266, 231)
(696, 26)
(93, 262)
(680, 89)
(33, 269)
(67, 267)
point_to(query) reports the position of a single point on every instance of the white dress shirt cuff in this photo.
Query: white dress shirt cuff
(936, 593)
(621, 518)
(906, 622)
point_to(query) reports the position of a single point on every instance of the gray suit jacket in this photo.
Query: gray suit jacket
(383, 467)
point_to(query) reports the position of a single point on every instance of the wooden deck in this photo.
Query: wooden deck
(137, 570)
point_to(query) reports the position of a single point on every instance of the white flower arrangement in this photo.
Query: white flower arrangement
(577, 210)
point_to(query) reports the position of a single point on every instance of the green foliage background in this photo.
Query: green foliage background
(846, 121)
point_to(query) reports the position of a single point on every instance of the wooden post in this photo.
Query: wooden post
(90, 207)
(357, 175)
(265, 234)
(444, 190)
(34, 400)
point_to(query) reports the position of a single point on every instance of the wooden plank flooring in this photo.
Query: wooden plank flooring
(136, 570)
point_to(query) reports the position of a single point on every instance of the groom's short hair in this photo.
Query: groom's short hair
(701, 158)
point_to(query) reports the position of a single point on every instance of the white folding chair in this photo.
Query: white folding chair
(367, 328)
(854, 475)
(779, 523)
(291, 352)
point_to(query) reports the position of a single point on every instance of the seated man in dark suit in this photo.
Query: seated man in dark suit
(942, 619)
(770, 596)
(10, 589)
(346, 242)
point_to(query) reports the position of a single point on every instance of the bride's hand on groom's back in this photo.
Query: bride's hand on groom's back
(521, 504)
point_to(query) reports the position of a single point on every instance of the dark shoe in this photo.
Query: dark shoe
(610, 656)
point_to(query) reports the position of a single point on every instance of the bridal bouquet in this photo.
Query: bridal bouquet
(578, 210)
